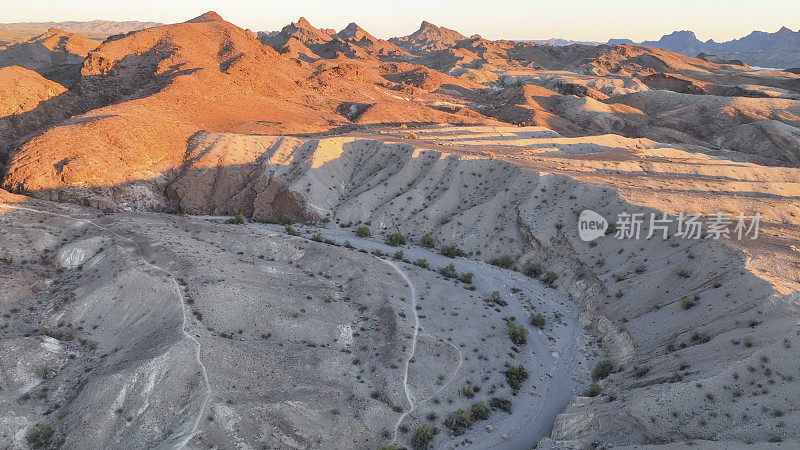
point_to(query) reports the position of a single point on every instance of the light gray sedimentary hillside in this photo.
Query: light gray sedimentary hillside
(142, 330)
(702, 348)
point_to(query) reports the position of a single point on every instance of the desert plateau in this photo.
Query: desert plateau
(215, 236)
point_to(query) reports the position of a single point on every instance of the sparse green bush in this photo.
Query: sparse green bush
(502, 404)
(466, 277)
(291, 231)
(459, 421)
(688, 302)
(423, 435)
(495, 298)
(286, 219)
(550, 278)
(480, 411)
(363, 231)
(237, 219)
(468, 390)
(422, 262)
(398, 255)
(427, 241)
(602, 369)
(593, 391)
(503, 261)
(47, 372)
(451, 251)
(640, 371)
(517, 332)
(43, 436)
(683, 273)
(538, 321)
(515, 376)
(317, 238)
(396, 240)
(747, 341)
(449, 271)
(533, 270)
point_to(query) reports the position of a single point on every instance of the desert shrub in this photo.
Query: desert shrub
(517, 332)
(422, 262)
(550, 278)
(444, 220)
(683, 273)
(363, 231)
(422, 436)
(748, 341)
(503, 261)
(398, 255)
(451, 251)
(237, 219)
(43, 436)
(412, 136)
(47, 372)
(502, 404)
(533, 270)
(480, 411)
(427, 241)
(602, 369)
(396, 240)
(459, 421)
(495, 298)
(291, 231)
(388, 447)
(689, 301)
(468, 390)
(286, 219)
(449, 271)
(538, 321)
(317, 238)
(466, 277)
(593, 391)
(515, 376)
(640, 371)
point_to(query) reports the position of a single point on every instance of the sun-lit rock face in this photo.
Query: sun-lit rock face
(22, 90)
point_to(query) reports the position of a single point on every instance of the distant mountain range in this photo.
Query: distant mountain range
(96, 29)
(780, 49)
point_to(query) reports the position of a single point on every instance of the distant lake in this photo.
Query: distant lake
(764, 68)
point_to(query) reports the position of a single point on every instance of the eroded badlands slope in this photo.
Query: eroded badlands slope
(683, 372)
(157, 331)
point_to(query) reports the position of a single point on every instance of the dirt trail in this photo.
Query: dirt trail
(414, 336)
(182, 437)
(553, 358)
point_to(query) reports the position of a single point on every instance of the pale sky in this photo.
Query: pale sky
(510, 19)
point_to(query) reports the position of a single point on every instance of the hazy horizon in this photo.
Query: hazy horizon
(507, 19)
